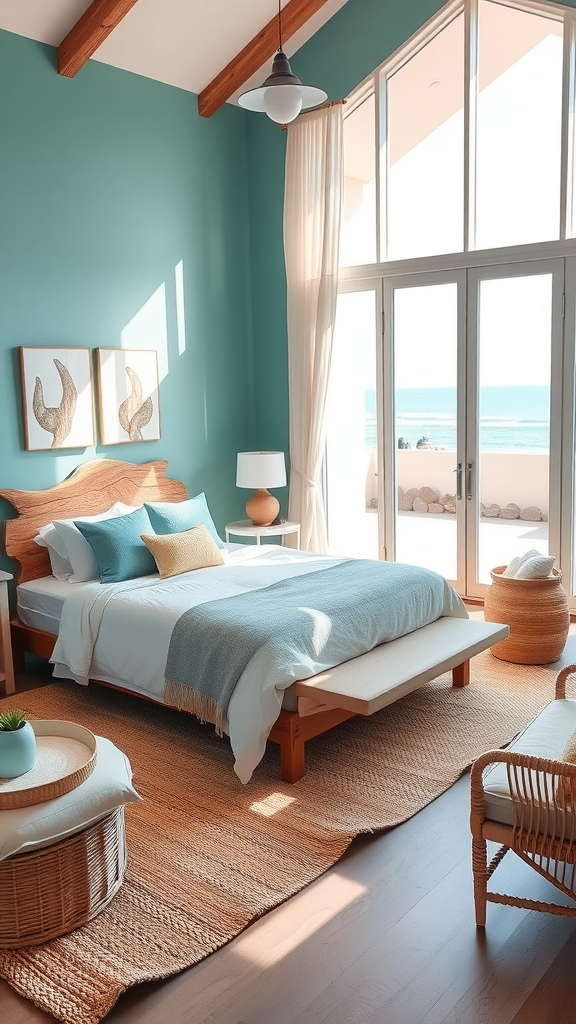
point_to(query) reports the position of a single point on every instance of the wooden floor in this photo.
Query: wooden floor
(386, 936)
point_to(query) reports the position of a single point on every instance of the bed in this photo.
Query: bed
(309, 706)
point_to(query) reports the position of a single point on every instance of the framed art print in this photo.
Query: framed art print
(128, 395)
(57, 398)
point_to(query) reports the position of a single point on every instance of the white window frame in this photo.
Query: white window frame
(376, 82)
(353, 277)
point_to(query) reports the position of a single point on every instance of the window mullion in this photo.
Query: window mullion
(470, 109)
(567, 143)
(381, 144)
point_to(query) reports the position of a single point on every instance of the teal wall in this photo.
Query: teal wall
(107, 182)
(340, 56)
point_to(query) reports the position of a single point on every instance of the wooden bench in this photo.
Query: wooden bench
(366, 684)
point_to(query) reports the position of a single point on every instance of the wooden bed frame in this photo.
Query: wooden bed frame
(360, 686)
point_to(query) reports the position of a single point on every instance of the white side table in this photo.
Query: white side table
(245, 528)
(6, 664)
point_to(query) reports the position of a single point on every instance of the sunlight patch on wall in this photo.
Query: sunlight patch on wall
(148, 329)
(180, 313)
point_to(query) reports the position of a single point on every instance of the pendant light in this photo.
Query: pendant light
(282, 96)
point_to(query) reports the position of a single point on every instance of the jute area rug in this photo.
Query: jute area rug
(207, 855)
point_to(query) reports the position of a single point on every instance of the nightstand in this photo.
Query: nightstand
(6, 664)
(245, 528)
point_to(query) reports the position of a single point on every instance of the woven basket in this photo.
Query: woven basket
(49, 892)
(537, 613)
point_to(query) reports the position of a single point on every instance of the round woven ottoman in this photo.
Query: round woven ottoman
(48, 892)
(536, 611)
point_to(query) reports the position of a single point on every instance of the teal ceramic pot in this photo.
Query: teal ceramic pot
(17, 751)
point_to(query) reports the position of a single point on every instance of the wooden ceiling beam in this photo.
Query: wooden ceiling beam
(263, 46)
(97, 22)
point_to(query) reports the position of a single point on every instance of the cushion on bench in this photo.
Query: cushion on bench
(545, 736)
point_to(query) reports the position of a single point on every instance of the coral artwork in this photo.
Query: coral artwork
(56, 420)
(134, 412)
(57, 398)
(128, 395)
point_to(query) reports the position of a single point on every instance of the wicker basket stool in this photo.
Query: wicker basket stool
(48, 892)
(536, 611)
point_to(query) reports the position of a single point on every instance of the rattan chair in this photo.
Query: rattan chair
(541, 795)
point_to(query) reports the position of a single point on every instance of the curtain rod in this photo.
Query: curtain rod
(325, 106)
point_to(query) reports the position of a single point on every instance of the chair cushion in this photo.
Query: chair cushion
(109, 786)
(545, 736)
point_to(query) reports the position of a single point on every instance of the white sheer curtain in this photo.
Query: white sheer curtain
(312, 209)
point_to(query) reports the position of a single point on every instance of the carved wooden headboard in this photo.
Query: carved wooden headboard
(90, 489)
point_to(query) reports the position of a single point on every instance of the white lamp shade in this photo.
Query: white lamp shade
(260, 469)
(283, 103)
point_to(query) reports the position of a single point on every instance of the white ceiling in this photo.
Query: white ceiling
(185, 43)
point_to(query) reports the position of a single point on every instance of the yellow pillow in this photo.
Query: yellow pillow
(180, 552)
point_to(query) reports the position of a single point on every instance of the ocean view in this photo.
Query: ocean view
(511, 418)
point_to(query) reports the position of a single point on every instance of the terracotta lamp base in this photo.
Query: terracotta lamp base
(262, 507)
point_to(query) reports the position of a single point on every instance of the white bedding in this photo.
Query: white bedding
(96, 622)
(40, 602)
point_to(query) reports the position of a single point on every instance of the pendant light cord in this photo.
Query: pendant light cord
(279, 24)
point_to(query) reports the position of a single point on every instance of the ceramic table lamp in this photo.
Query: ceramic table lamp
(261, 470)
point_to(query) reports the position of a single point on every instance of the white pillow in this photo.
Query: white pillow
(80, 554)
(519, 560)
(109, 786)
(535, 568)
(47, 537)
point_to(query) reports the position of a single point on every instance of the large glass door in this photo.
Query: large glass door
(472, 399)
(514, 402)
(424, 422)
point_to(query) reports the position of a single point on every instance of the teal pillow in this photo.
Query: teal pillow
(118, 548)
(178, 516)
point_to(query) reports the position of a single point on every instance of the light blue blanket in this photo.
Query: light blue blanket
(323, 617)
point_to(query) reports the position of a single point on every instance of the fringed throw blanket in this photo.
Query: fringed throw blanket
(312, 622)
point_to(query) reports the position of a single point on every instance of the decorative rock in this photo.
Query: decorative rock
(510, 512)
(419, 505)
(428, 499)
(406, 500)
(531, 514)
(492, 511)
(428, 494)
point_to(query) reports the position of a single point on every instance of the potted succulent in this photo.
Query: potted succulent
(17, 744)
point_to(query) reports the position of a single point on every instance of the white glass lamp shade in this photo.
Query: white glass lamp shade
(283, 103)
(260, 469)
